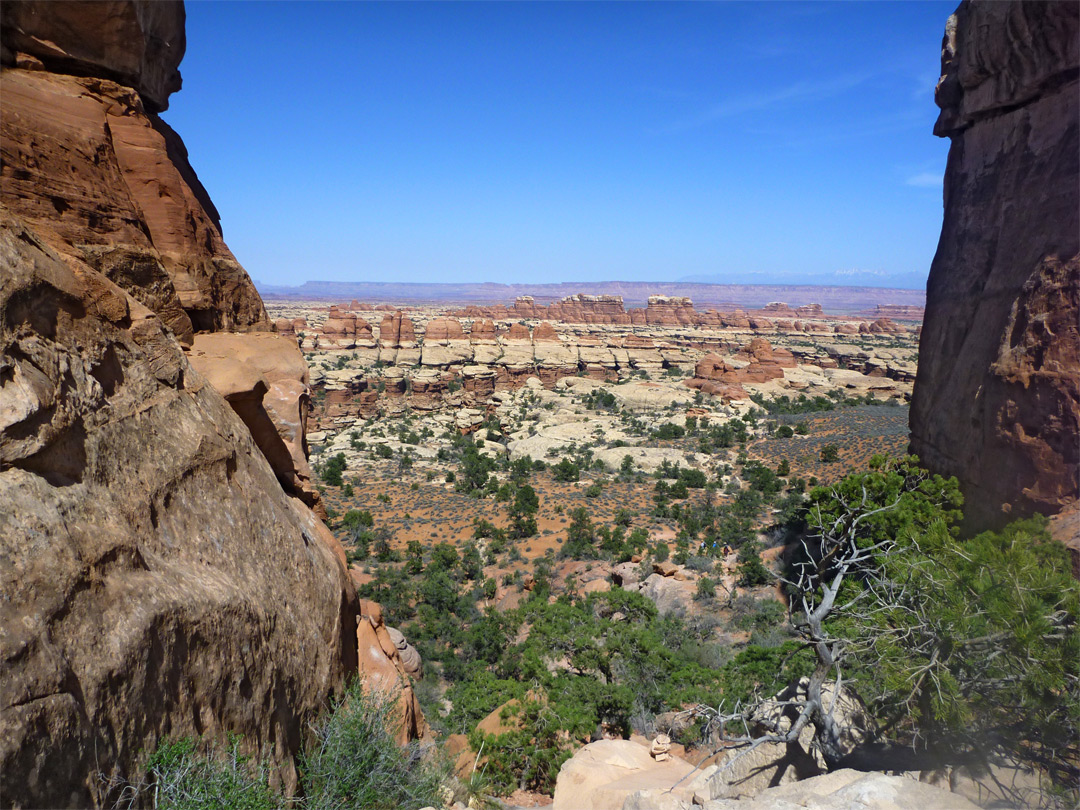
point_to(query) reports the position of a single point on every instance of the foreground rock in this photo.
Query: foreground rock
(119, 223)
(997, 398)
(840, 790)
(387, 663)
(136, 44)
(157, 580)
(603, 774)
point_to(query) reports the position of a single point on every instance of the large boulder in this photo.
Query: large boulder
(157, 580)
(603, 774)
(264, 378)
(997, 396)
(384, 671)
(839, 790)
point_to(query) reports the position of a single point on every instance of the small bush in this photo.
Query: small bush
(706, 589)
(356, 763)
(669, 430)
(183, 778)
(752, 570)
(334, 468)
(566, 471)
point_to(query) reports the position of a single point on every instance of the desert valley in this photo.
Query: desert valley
(621, 545)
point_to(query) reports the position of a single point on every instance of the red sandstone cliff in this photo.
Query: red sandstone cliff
(163, 574)
(996, 399)
(91, 167)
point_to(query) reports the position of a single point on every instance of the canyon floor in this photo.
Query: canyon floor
(633, 429)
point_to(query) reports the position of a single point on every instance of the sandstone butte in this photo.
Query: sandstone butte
(664, 311)
(164, 572)
(997, 395)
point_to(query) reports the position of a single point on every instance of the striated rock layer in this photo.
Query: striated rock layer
(101, 178)
(996, 400)
(161, 570)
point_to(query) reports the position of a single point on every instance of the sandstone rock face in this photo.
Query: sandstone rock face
(102, 180)
(898, 312)
(157, 580)
(137, 44)
(383, 669)
(545, 332)
(665, 311)
(265, 379)
(760, 362)
(996, 399)
(344, 330)
(592, 309)
(482, 331)
(525, 307)
(397, 331)
(603, 774)
(444, 329)
(518, 331)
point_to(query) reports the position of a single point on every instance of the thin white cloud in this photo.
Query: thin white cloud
(924, 180)
(800, 92)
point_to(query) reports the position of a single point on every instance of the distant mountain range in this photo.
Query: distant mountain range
(838, 278)
(836, 298)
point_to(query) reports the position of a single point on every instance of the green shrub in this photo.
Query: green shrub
(335, 466)
(566, 471)
(669, 430)
(706, 589)
(356, 518)
(751, 570)
(183, 778)
(356, 763)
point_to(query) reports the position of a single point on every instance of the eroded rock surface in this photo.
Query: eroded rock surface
(138, 44)
(387, 662)
(839, 790)
(101, 179)
(264, 378)
(157, 580)
(603, 774)
(997, 397)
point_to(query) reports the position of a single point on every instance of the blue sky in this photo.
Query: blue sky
(545, 142)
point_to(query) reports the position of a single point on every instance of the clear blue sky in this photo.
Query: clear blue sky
(545, 142)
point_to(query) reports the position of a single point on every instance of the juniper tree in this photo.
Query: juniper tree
(965, 650)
